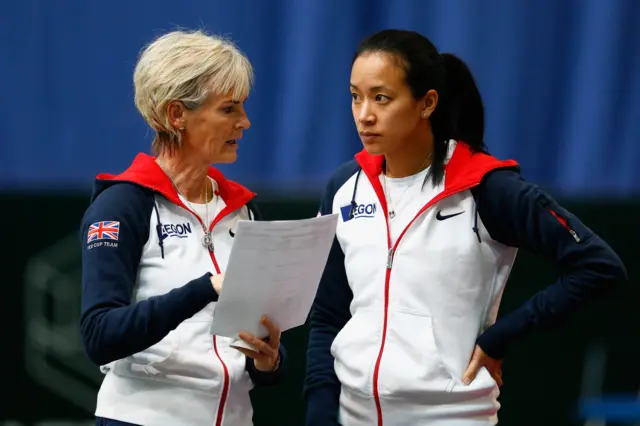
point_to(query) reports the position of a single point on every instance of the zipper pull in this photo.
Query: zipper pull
(575, 235)
(564, 223)
(390, 259)
(207, 241)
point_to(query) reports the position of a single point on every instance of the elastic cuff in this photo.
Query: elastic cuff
(267, 378)
(205, 288)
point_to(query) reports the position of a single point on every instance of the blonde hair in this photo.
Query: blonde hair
(188, 67)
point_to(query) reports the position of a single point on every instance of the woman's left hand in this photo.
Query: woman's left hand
(269, 355)
(479, 359)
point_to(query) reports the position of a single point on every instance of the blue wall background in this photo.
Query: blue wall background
(560, 80)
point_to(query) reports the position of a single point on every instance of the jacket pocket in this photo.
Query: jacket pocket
(355, 349)
(185, 357)
(411, 365)
(195, 364)
(565, 223)
(200, 360)
(149, 362)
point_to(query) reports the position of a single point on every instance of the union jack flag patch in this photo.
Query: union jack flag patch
(107, 230)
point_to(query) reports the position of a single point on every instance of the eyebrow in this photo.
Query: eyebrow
(374, 88)
(232, 101)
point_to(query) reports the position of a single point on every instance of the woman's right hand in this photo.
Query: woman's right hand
(216, 282)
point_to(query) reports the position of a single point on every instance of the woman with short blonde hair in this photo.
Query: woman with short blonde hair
(156, 240)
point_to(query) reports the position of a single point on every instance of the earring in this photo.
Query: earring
(181, 129)
(424, 115)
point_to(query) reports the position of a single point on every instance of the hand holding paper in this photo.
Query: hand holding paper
(267, 355)
(274, 270)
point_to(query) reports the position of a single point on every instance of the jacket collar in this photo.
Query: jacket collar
(144, 171)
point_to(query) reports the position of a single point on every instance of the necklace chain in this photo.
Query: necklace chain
(391, 210)
(207, 239)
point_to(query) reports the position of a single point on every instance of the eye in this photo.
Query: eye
(382, 98)
(354, 96)
(228, 110)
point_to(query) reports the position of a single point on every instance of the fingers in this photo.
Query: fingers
(216, 281)
(472, 371)
(496, 373)
(259, 344)
(250, 353)
(497, 376)
(274, 332)
(479, 359)
(474, 366)
(269, 348)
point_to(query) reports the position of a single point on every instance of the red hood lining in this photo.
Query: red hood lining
(465, 168)
(144, 171)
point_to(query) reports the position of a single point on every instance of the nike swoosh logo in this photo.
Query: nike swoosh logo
(439, 216)
(232, 233)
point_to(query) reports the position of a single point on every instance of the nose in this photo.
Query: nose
(365, 114)
(244, 123)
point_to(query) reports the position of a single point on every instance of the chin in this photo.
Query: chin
(227, 158)
(373, 148)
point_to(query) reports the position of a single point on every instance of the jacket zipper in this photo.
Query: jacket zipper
(225, 383)
(390, 257)
(566, 225)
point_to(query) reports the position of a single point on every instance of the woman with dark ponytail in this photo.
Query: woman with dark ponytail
(404, 327)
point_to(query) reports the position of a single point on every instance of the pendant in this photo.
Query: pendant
(207, 241)
(392, 214)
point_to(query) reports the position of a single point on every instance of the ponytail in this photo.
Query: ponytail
(466, 112)
(459, 114)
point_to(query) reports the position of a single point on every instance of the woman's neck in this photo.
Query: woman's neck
(411, 158)
(190, 178)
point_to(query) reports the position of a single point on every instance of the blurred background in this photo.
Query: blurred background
(561, 85)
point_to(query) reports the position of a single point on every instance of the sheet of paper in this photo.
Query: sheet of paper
(274, 269)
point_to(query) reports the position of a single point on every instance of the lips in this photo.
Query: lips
(368, 137)
(232, 142)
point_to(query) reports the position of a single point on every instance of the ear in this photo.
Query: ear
(429, 102)
(176, 114)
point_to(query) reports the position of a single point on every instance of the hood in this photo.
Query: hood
(464, 168)
(145, 172)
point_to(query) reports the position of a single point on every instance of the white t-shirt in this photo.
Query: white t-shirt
(405, 197)
(211, 209)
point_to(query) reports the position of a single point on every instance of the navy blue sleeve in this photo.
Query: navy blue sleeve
(519, 214)
(329, 314)
(268, 378)
(111, 327)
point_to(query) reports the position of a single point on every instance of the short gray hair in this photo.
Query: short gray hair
(188, 67)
